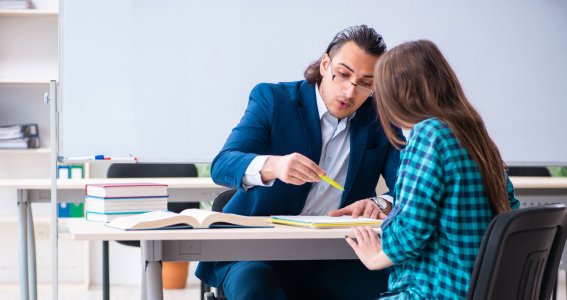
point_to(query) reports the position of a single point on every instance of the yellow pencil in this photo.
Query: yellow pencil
(332, 182)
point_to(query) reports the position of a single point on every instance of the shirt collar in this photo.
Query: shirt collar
(322, 108)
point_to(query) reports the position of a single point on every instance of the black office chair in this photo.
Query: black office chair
(142, 170)
(218, 204)
(528, 171)
(222, 199)
(533, 171)
(520, 253)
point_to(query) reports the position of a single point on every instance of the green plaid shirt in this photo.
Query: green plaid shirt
(440, 213)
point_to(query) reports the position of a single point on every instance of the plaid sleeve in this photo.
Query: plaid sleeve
(514, 202)
(418, 192)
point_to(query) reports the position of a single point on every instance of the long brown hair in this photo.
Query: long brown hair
(363, 36)
(413, 82)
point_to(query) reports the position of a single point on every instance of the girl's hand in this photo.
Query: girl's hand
(368, 247)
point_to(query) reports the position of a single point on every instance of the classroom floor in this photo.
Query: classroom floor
(117, 292)
(191, 292)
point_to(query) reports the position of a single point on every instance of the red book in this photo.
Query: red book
(126, 190)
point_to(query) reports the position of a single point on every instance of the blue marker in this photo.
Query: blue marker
(95, 157)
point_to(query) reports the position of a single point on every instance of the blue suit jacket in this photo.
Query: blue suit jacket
(281, 119)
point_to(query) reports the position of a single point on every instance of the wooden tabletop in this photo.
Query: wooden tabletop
(81, 229)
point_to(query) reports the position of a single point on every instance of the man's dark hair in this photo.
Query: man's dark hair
(363, 36)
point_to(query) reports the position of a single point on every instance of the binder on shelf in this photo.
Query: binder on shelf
(22, 143)
(63, 172)
(77, 210)
(18, 131)
(77, 171)
(63, 210)
(19, 136)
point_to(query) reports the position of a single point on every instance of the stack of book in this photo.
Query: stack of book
(20, 136)
(106, 202)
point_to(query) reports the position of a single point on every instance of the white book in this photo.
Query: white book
(189, 218)
(125, 204)
(125, 209)
(126, 190)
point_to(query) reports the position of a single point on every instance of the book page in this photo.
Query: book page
(152, 220)
(199, 214)
(207, 218)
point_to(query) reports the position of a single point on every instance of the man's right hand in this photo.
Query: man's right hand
(361, 208)
(293, 169)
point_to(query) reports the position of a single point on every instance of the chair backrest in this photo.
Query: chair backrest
(520, 253)
(151, 170)
(222, 199)
(529, 171)
(142, 170)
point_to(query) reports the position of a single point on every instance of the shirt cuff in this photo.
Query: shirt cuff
(387, 198)
(252, 175)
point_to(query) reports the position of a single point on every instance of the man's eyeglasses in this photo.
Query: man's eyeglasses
(343, 79)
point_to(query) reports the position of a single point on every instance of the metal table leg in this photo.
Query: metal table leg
(32, 269)
(22, 232)
(144, 295)
(152, 256)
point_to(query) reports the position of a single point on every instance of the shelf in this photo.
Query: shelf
(25, 151)
(27, 12)
(24, 81)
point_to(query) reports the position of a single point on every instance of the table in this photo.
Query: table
(235, 244)
(540, 190)
(184, 189)
(530, 190)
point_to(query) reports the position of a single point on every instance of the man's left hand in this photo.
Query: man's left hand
(361, 208)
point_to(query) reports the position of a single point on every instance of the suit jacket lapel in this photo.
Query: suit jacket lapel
(309, 116)
(358, 139)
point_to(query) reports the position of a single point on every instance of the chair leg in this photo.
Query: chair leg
(555, 289)
(105, 272)
(204, 289)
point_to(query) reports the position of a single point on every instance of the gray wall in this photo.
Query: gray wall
(168, 80)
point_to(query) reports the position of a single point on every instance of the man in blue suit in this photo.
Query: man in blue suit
(290, 134)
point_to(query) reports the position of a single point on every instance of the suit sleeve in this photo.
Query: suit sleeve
(249, 138)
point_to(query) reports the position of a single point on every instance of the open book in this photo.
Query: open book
(319, 222)
(189, 218)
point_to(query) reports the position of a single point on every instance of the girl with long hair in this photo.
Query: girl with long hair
(451, 181)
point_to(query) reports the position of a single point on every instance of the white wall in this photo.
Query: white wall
(184, 68)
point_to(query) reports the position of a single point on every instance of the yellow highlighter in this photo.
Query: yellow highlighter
(332, 182)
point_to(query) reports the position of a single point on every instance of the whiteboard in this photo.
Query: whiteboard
(168, 80)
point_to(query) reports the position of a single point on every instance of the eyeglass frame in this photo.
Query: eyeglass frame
(345, 80)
